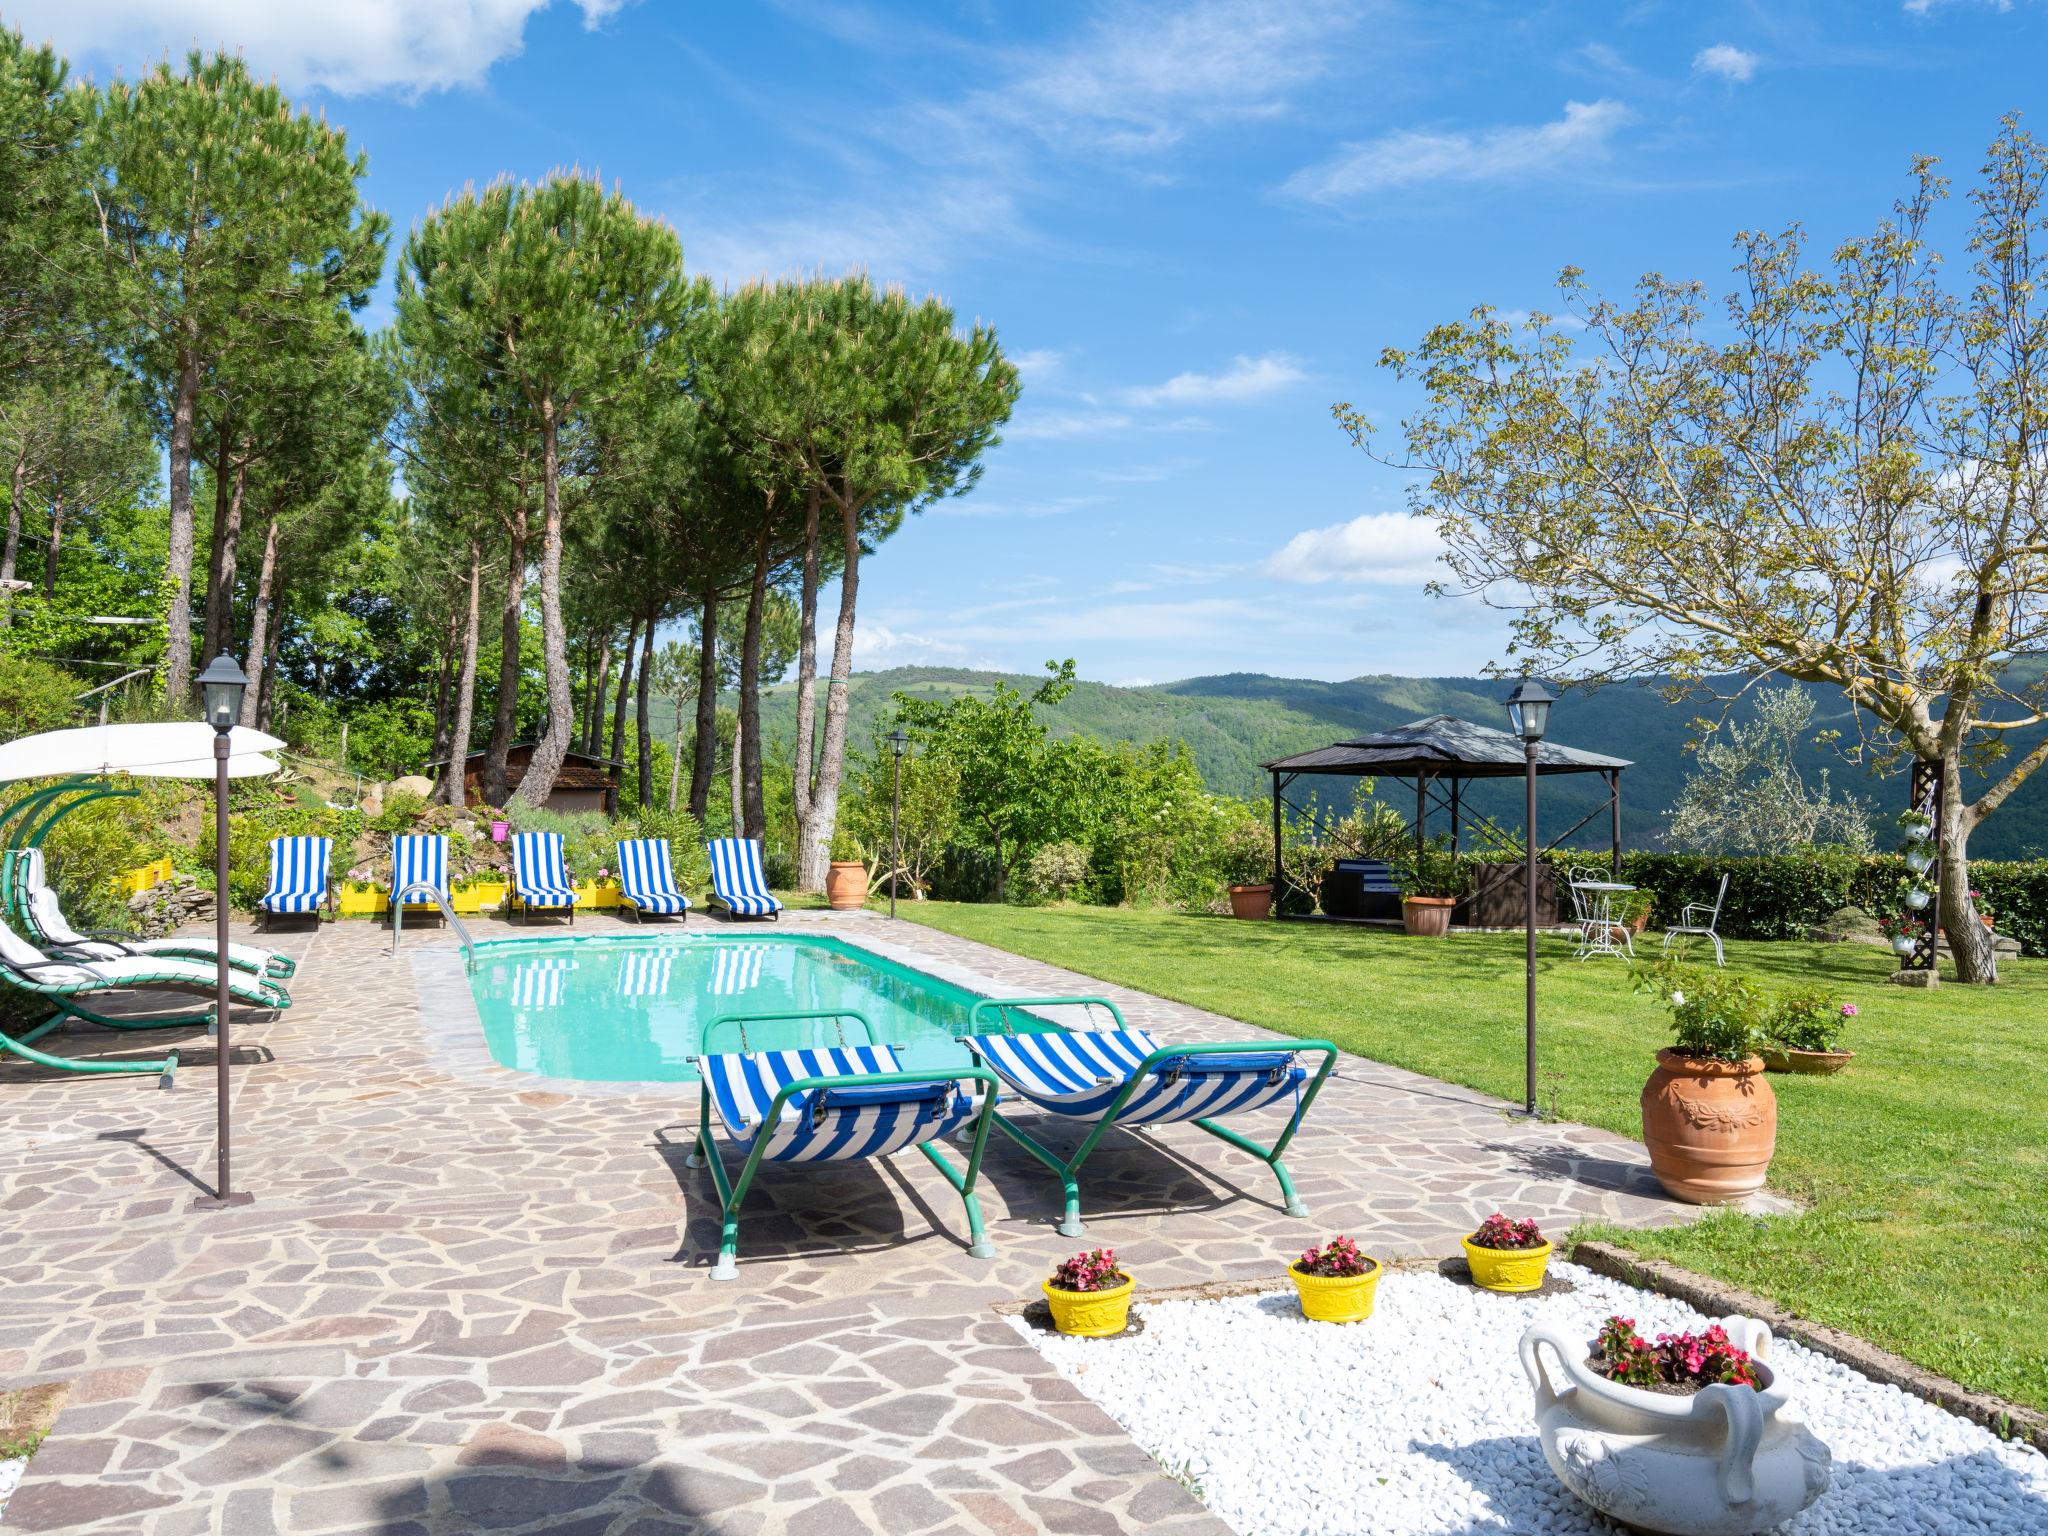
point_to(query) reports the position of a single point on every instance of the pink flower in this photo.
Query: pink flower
(1848, 1010)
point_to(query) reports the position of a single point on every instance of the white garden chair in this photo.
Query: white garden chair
(1700, 921)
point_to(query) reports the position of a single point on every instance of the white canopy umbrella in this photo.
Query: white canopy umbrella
(181, 749)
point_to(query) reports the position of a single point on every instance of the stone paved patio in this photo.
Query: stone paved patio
(469, 1299)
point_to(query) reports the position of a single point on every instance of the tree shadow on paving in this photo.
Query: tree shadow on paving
(1561, 1162)
(1524, 1495)
(579, 1496)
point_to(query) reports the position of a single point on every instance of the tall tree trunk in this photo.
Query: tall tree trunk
(217, 628)
(1969, 941)
(505, 717)
(553, 746)
(618, 746)
(56, 543)
(178, 610)
(644, 708)
(267, 694)
(736, 780)
(806, 679)
(453, 782)
(704, 766)
(816, 855)
(675, 760)
(16, 500)
(260, 638)
(753, 797)
(599, 674)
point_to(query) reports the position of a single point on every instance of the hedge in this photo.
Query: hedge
(1784, 895)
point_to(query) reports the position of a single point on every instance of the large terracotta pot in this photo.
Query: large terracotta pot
(1429, 916)
(1726, 1461)
(1710, 1127)
(846, 886)
(1252, 901)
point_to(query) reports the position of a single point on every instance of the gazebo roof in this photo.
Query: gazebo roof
(1442, 746)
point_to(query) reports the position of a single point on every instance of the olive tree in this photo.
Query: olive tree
(1839, 476)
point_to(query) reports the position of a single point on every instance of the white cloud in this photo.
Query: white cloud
(1929, 7)
(1048, 506)
(358, 48)
(1382, 548)
(876, 646)
(1725, 60)
(1413, 158)
(1058, 426)
(1246, 378)
(1142, 75)
(1038, 362)
(899, 234)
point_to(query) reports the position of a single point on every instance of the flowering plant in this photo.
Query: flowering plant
(1499, 1232)
(1687, 1361)
(1093, 1269)
(1338, 1259)
(1811, 1019)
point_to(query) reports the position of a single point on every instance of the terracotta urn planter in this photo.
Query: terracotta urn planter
(1779, 1058)
(1429, 916)
(1710, 1127)
(846, 885)
(1251, 901)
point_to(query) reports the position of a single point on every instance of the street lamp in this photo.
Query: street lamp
(899, 742)
(221, 685)
(1529, 717)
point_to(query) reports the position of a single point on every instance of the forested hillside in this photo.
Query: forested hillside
(1234, 722)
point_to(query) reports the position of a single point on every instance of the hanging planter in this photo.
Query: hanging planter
(1918, 897)
(1902, 943)
(1918, 858)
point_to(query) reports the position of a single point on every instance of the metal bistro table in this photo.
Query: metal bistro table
(1601, 929)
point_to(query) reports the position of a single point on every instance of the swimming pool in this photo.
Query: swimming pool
(634, 1010)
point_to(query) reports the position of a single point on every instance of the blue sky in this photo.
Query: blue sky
(1195, 225)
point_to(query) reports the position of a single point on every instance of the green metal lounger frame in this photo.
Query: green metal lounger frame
(732, 1192)
(1139, 1077)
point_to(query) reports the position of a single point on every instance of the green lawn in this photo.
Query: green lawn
(1923, 1167)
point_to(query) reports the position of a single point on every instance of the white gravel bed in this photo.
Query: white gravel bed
(10, 1478)
(1419, 1421)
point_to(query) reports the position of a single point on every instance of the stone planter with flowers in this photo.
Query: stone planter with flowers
(1710, 1120)
(1335, 1283)
(1507, 1255)
(1803, 1033)
(1089, 1296)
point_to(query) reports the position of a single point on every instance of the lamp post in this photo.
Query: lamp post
(898, 742)
(1529, 716)
(221, 685)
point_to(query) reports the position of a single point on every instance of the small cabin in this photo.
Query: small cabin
(586, 782)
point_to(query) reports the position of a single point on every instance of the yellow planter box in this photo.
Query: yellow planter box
(1336, 1298)
(1507, 1269)
(359, 903)
(143, 878)
(484, 894)
(598, 894)
(1090, 1314)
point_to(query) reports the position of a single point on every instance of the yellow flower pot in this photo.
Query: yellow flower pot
(1506, 1269)
(468, 903)
(485, 893)
(597, 894)
(359, 903)
(1336, 1298)
(1090, 1314)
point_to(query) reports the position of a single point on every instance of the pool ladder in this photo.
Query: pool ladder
(421, 890)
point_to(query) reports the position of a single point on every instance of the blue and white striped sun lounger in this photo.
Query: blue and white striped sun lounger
(1123, 1076)
(48, 925)
(831, 1104)
(648, 879)
(420, 859)
(737, 883)
(540, 880)
(736, 968)
(645, 972)
(298, 876)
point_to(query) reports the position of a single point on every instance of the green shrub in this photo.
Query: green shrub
(686, 851)
(1716, 1015)
(587, 840)
(402, 812)
(1431, 870)
(36, 696)
(1056, 872)
(1809, 1019)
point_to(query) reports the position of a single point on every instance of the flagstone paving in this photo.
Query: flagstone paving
(470, 1299)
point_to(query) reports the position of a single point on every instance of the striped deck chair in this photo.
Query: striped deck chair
(736, 968)
(737, 883)
(539, 877)
(645, 972)
(831, 1104)
(419, 859)
(1122, 1076)
(539, 983)
(648, 879)
(47, 924)
(62, 982)
(298, 877)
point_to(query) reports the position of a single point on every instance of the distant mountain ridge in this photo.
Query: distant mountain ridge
(1234, 722)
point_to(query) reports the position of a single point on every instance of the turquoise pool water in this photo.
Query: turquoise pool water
(634, 1010)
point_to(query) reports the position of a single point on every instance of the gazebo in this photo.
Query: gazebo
(1439, 755)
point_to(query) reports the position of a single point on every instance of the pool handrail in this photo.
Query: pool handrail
(742, 1020)
(1000, 1006)
(426, 890)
